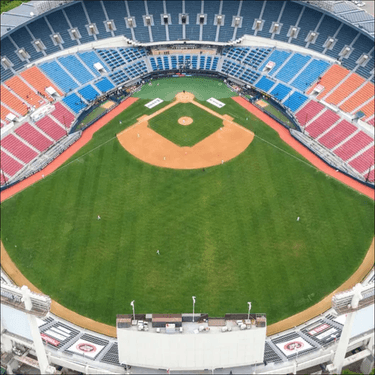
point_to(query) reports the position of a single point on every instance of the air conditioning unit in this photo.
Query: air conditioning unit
(258, 25)
(56, 38)
(148, 20)
(165, 19)
(219, 19)
(276, 27)
(110, 25)
(38, 44)
(130, 22)
(183, 19)
(237, 21)
(23, 53)
(293, 32)
(201, 19)
(74, 33)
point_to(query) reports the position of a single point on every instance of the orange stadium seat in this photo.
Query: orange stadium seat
(4, 112)
(25, 92)
(330, 79)
(39, 81)
(360, 97)
(345, 89)
(368, 109)
(12, 101)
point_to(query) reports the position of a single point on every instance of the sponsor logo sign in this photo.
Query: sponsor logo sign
(86, 348)
(153, 103)
(50, 340)
(216, 102)
(319, 329)
(291, 347)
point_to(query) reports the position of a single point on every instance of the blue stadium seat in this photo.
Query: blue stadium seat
(5, 74)
(264, 84)
(256, 57)
(59, 25)
(57, 74)
(90, 58)
(111, 57)
(175, 29)
(76, 69)
(137, 10)
(344, 37)
(78, 19)
(310, 74)
(362, 45)
(74, 103)
(292, 67)
(230, 9)
(116, 11)
(210, 8)
(155, 8)
(250, 10)
(271, 14)
(96, 15)
(289, 18)
(7, 49)
(280, 91)
(295, 101)
(40, 30)
(193, 8)
(104, 85)
(89, 93)
(249, 76)
(23, 39)
(327, 29)
(278, 57)
(307, 23)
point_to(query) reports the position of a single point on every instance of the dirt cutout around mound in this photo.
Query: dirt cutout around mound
(15, 274)
(185, 121)
(152, 148)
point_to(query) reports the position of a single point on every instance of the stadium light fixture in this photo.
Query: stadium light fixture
(193, 306)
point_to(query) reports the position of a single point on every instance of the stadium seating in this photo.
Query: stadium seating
(18, 148)
(353, 145)
(371, 121)
(364, 161)
(322, 123)
(33, 137)
(25, 92)
(104, 85)
(116, 11)
(111, 57)
(53, 130)
(9, 165)
(264, 84)
(4, 112)
(5, 73)
(13, 102)
(345, 89)
(295, 100)
(308, 112)
(78, 19)
(360, 97)
(137, 10)
(370, 176)
(193, 7)
(155, 8)
(61, 26)
(344, 37)
(7, 49)
(337, 134)
(292, 67)
(250, 76)
(256, 56)
(57, 74)
(39, 81)
(74, 102)
(326, 29)
(229, 9)
(330, 79)
(252, 8)
(76, 69)
(96, 14)
(3, 178)
(23, 39)
(88, 93)
(368, 109)
(40, 30)
(119, 77)
(289, 18)
(209, 30)
(90, 58)
(132, 54)
(270, 14)
(280, 91)
(64, 116)
(278, 57)
(310, 74)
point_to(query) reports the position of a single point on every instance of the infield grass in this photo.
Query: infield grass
(227, 235)
(204, 124)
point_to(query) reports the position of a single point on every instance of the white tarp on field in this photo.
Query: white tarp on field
(216, 102)
(291, 347)
(153, 103)
(86, 348)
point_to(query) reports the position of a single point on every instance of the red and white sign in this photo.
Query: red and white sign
(50, 340)
(319, 88)
(319, 329)
(86, 348)
(270, 65)
(291, 347)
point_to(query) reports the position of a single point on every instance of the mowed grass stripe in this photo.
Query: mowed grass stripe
(226, 235)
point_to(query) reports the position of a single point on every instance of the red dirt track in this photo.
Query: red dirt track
(305, 152)
(61, 159)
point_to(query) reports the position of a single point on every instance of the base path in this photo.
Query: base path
(61, 159)
(152, 148)
(16, 276)
(304, 151)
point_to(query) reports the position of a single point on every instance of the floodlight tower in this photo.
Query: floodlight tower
(349, 302)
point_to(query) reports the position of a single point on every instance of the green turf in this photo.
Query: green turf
(7, 5)
(202, 88)
(204, 124)
(270, 108)
(227, 235)
(91, 116)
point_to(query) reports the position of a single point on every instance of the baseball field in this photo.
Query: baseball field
(227, 234)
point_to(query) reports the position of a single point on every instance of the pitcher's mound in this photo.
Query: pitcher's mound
(185, 120)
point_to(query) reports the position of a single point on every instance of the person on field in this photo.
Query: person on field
(99, 217)
(298, 218)
(158, 252)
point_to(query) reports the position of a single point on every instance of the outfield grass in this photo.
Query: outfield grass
(7, 5)
(204, 124)
(202, 88)
(227, 235)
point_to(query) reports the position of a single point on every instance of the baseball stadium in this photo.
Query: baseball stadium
(164, 163)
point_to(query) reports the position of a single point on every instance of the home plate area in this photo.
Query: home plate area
(217, 148)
